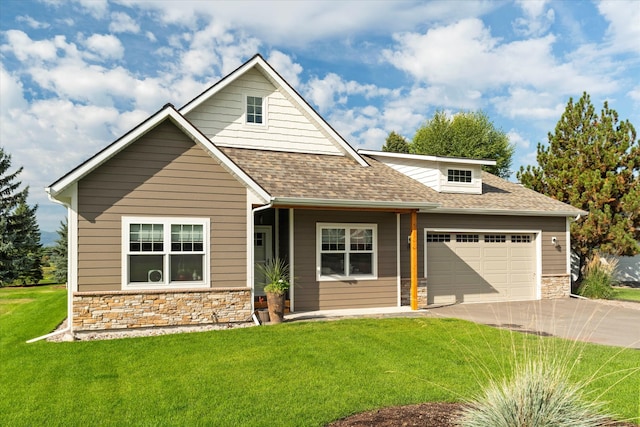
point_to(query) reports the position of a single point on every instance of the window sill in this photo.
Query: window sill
(153, 286)
(353, 278)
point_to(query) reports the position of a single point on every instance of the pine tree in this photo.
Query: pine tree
(396, 143)
(59, 257)
(593, 163)
(20, 249)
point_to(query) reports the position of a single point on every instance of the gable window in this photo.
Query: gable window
(458, 175)
(347, 251)
(255, 110)
(165, 252)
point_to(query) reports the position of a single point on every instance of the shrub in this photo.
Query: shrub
(598, 278)
(538, 394)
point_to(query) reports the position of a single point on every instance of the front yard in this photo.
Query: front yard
(294, 374)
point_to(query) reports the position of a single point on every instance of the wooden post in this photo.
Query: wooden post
(414, 260)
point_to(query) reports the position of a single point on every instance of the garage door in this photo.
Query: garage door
(479, 267)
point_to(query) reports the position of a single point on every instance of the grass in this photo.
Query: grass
(626, 294)
(294, 374)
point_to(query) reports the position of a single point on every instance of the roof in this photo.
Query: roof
(324, 180)
(500, 196)
(422, 157)
(293, 178)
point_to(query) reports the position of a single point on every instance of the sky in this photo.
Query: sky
(77, 74)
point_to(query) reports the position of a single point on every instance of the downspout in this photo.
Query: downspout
(251, 251)
(68, 328)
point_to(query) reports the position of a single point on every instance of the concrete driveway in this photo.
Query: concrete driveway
(602, 322)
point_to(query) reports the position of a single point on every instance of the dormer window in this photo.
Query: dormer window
(458, 175)
(255, 110)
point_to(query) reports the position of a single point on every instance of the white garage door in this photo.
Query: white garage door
(479, 267)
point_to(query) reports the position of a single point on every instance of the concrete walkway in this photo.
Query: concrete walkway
(612, 323)
(602, 322)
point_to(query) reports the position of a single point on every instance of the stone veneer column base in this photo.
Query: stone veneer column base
(143, 309)
(405, 292)
(555, 286)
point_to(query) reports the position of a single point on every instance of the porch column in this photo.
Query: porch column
(414, 260)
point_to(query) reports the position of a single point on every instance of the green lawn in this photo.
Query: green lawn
(626, 294)
(294, 374)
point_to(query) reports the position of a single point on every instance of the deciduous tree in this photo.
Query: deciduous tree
(466, 134)
(396, 143)
(592, 161)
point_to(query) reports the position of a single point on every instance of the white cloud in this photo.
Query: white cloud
(123, 23)
(529, 104)
(105, 46)
(624, 28)
(634, 94)
(536, 21)
(25, 49)
(32, 22)
(325, 93)
(518, 140)
(11, 94)
(285, 66)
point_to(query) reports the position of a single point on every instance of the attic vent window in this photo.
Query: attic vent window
(255, 110)
(458, 175)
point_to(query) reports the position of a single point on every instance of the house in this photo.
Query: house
(167, 224)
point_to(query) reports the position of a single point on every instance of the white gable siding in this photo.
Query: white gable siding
(474, 187)
(427, 175)
(221, 118)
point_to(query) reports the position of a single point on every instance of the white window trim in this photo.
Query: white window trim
(339, 278)
(166, 222)
(264, 110)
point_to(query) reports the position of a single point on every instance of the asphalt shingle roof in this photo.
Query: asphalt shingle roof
(317, 176)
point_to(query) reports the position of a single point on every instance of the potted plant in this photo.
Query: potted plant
(276, 271)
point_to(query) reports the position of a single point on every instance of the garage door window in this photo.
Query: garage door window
(431, 238)
(518, 238)
(467, 238)
(346, 251)
(495, 238)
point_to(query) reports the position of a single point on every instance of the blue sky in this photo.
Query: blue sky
(76, 75)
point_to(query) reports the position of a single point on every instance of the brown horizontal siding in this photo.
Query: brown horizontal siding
(313, 295)
(553, 259)
(162, 174)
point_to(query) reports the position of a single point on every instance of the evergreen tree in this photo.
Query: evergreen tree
(593, 163)
(396, 143)
(466, 134)
(20, 249)
(59, 257)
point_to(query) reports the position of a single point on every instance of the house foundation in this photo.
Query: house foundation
(405, 292)
(555, 286)
(143, 309)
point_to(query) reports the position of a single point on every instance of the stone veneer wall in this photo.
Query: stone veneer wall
(142, 309)
(405, 292)
(555, 286)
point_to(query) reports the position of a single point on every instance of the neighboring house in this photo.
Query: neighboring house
(167, 224)
(628, 269)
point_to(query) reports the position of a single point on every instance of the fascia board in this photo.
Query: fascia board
(509, 212)
(372, 153)
(346, 203)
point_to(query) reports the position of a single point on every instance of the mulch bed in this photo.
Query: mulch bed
(435, 414)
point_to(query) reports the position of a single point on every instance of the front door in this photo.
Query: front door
(262, 252)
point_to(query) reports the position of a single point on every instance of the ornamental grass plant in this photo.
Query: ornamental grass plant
(598, 277)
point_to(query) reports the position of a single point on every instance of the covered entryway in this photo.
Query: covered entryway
(480, 267)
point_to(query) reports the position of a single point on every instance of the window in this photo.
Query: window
(495, 238)
(520, 238)
(161, 252)
(458, 175)
(255, 110)
(438, 237)
(347, 251)
(467, 238)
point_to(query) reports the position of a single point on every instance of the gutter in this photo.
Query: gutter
(68, 329)
(480, 211)
(350, 203)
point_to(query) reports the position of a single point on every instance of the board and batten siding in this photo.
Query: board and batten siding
(309, 294)
(221, 118)
(166, 174)
(554, 259)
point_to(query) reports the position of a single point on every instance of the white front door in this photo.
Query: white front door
(262, 251)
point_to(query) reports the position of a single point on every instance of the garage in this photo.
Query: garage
(480, 267)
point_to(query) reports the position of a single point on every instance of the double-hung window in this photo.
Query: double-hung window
(346, 251)
(165, 252)
(255, 110)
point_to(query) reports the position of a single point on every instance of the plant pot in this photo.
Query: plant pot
(276, 307)
(263, 316)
